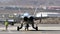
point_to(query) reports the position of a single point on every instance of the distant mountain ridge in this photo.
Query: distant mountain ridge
(30, 2)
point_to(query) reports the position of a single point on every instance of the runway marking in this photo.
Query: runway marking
(30, 28)
(10, 31)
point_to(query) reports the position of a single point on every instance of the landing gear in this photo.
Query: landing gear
(18, 28)
(28, 21)
(36, 28)
(26, 27)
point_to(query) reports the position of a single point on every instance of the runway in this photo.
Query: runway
(12, 29)
(40, 27)
(29, 32)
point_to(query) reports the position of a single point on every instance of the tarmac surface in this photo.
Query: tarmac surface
(29, 32)
(48, 29)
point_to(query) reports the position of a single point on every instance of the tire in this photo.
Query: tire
(18, 28)
(36, 28)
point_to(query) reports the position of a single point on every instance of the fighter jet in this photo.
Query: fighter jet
(45, 15)
(25, 14)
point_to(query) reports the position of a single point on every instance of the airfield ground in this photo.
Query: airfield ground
(42, 26)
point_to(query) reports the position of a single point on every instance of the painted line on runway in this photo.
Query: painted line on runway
(10, 31)
(30, 28)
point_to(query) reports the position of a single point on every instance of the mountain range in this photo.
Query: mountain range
(30, 2)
